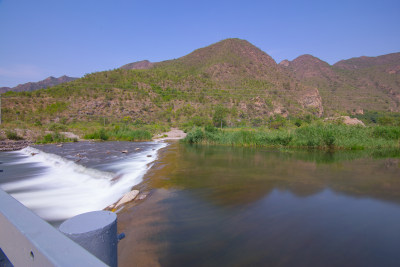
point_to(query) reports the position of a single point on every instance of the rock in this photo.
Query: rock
(137, 148)
(284, 63)
(313, 100)
(127, 198)
(11, 145)
(352, 121)
(141, 196)
(60, 145)
(124, 151)
(149, 156)
(346, 120)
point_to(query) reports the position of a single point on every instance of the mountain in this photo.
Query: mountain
(4, 89)
(139, 65)
(354, 85)
(232, 74)
(308, 66)
(32, 86)
(389, 60)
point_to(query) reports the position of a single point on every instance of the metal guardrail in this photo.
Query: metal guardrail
(27, 240)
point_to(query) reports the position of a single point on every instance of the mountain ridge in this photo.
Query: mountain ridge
(32, 86)
(232, 73)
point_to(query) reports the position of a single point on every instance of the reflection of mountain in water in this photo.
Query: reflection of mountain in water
(236, 176)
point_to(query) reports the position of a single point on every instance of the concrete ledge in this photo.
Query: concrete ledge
(27, 240)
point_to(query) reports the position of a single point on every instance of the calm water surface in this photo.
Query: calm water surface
(223, 206)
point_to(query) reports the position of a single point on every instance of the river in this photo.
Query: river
(223, 206)
(59, 182)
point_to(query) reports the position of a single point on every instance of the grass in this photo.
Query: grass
(13, 135)
(314, 136)
(55, 138)
(124, 134)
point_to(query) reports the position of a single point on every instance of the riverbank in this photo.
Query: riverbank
(173, 134)
(315, 136)
(13, 145)
(138, 194)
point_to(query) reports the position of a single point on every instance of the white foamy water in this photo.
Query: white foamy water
(64, 188)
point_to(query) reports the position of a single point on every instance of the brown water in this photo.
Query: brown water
(223, 206)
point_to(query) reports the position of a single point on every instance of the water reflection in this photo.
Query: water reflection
(233, 176)
(213, 206)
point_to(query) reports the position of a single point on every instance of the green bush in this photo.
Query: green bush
(57, 127)
(13, 136)
(131, 135)
(120, 133)
(328, 139)
(48, 138)
(99, 135)
(315, 136)
(56, 108)
(210, 129)
(55, 138)
(387, 132)
(195, 136)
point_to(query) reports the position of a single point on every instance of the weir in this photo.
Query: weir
(27, 240)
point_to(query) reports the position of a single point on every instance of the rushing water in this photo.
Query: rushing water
(223, 206)
(60, 182)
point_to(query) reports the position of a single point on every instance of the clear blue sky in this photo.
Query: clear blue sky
(49, 37)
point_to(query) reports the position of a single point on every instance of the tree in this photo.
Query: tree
(219, 116)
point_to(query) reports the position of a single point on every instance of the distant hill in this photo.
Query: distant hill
(231, 75)
(32, 86)
(389, 60)
(353, 85)
(139, 65)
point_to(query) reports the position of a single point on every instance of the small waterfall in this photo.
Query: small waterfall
(64, 188)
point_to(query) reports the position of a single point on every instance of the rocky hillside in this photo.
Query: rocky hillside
(390, 62)
(354, 85)
(32, 86)
(232, 77)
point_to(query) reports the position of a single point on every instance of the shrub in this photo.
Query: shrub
(210, 129)
(57, 127)
(56, 108)
(13, 136)
(55, 138)
(100, 134)
(124, 134)
(328, 139)
(387, 132)
(195, 136)
(297, 123)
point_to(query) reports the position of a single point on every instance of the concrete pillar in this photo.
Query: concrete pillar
(95, 231)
